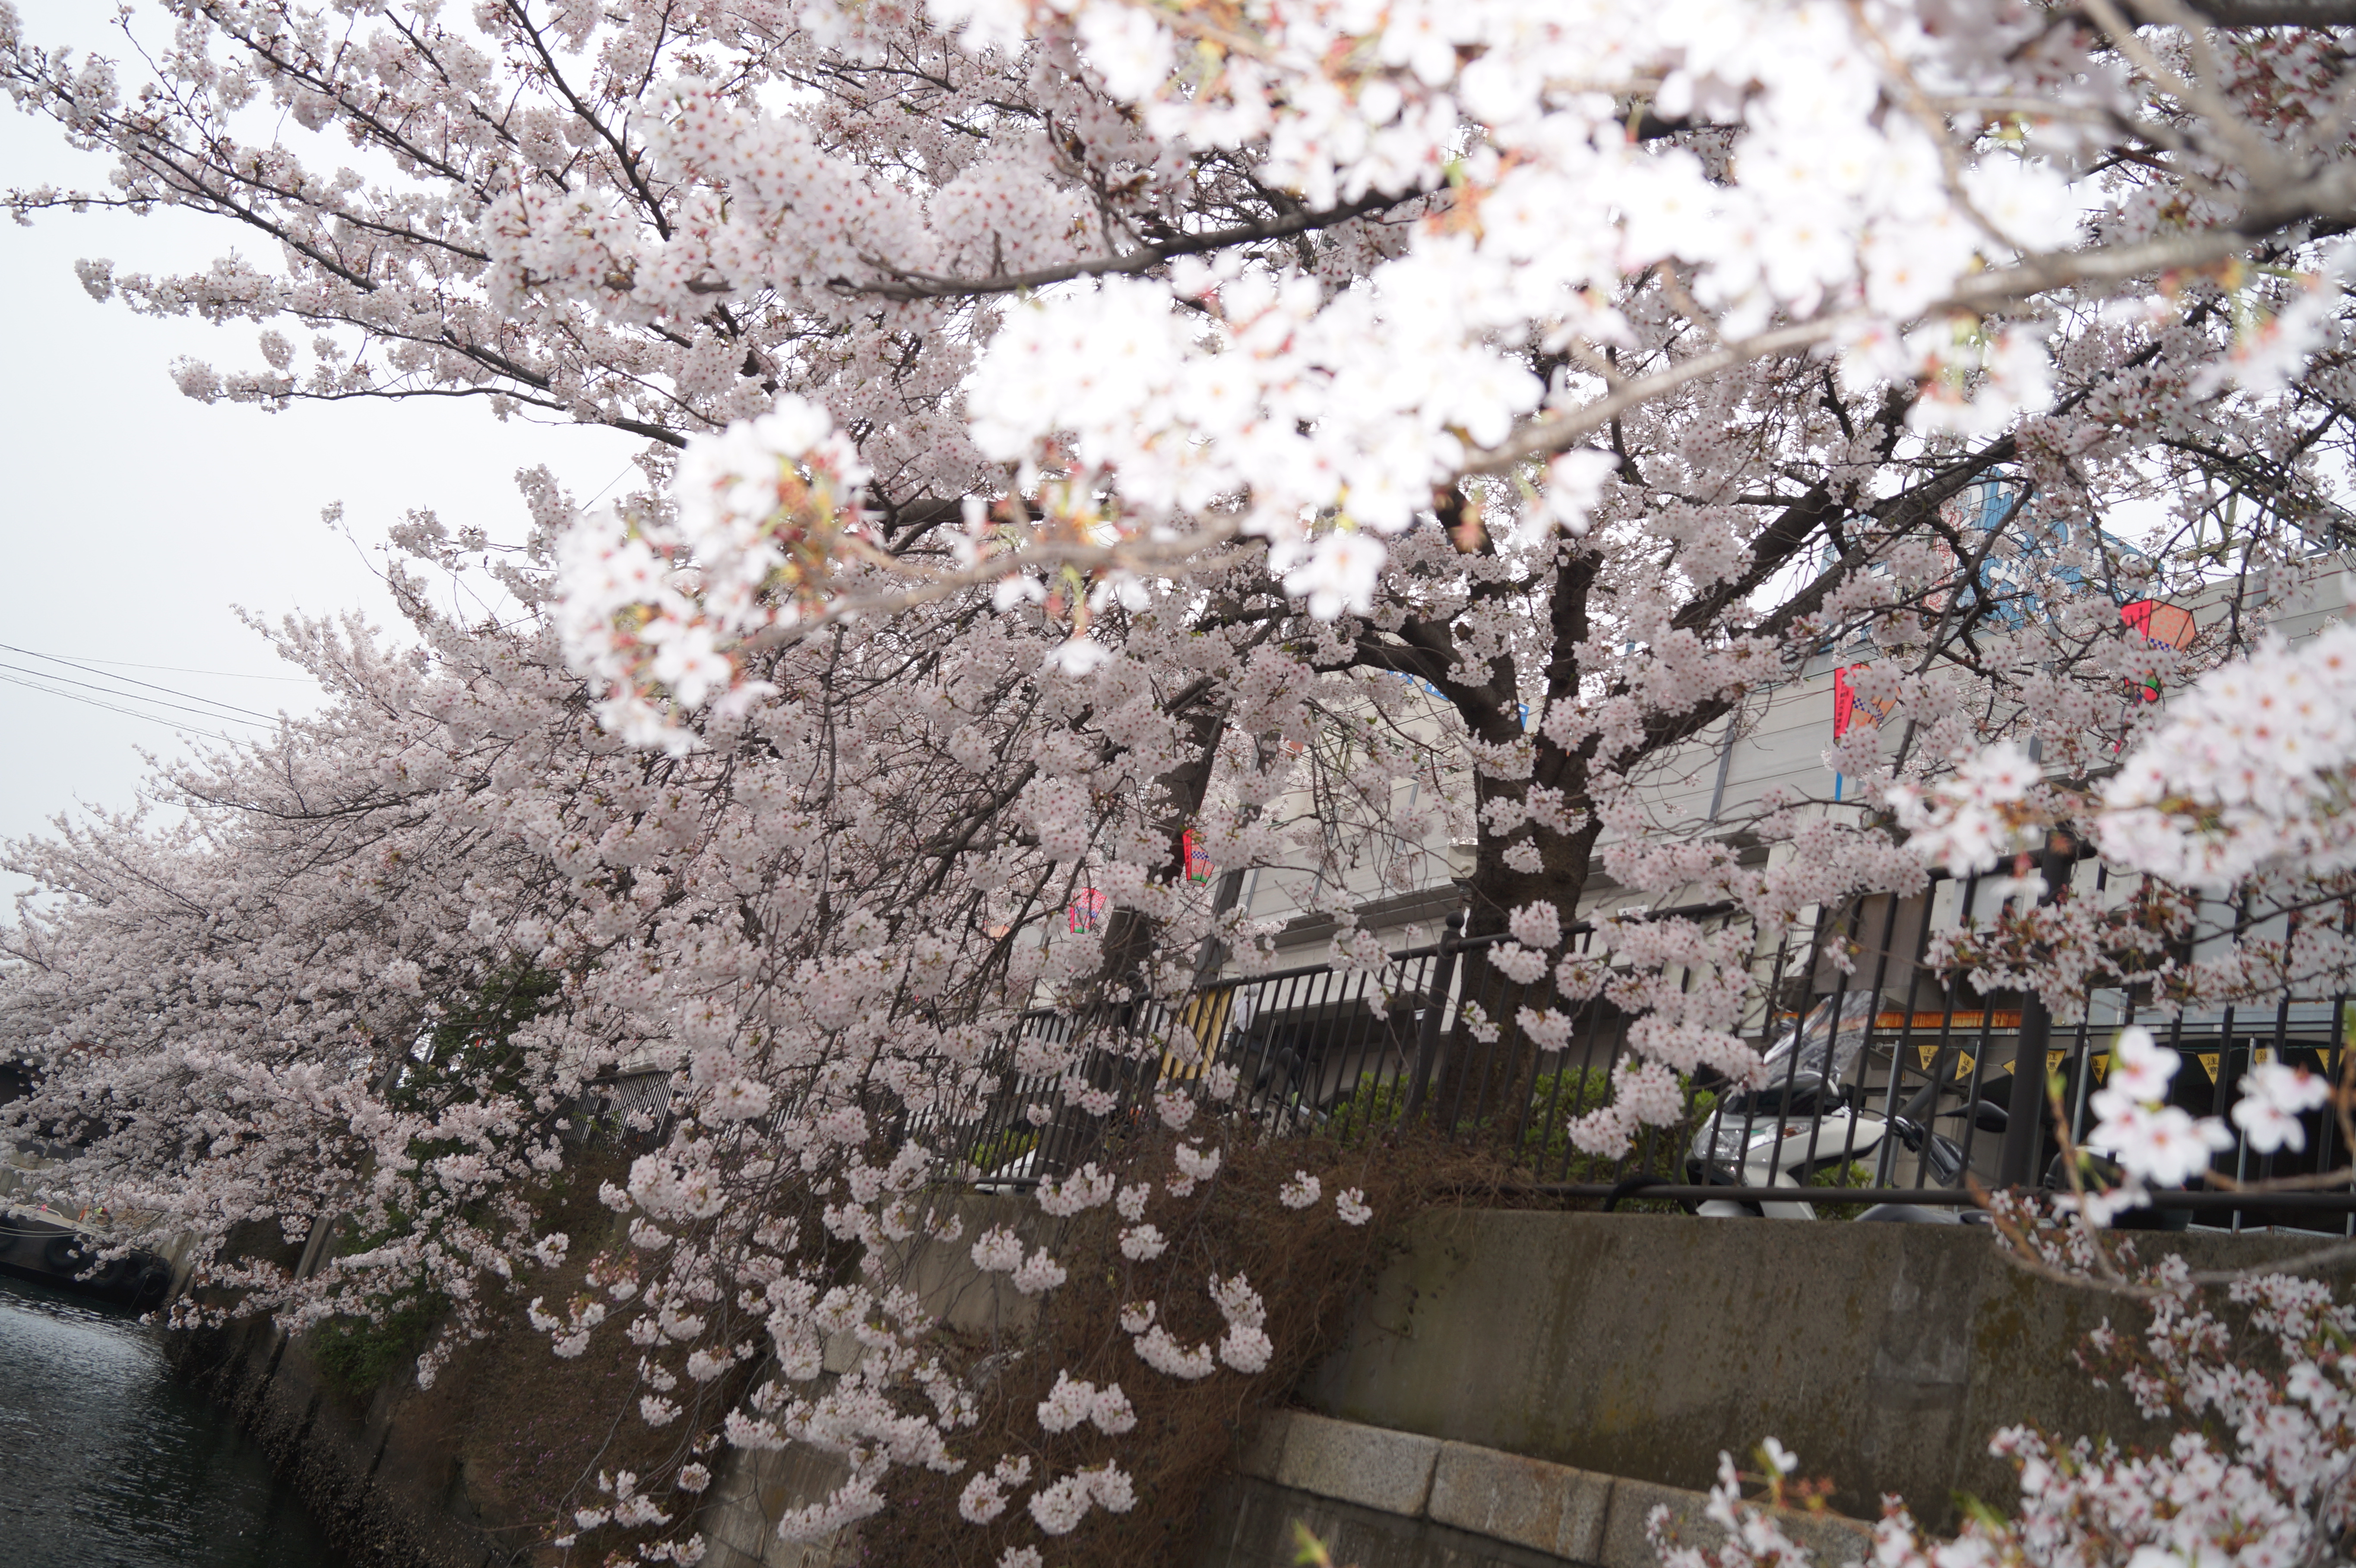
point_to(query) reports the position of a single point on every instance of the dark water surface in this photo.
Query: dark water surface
(105, 1462)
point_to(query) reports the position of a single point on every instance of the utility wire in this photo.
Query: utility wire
(112, 708)
(128, 680)
(115, 707)
(609, 484)
(230, 717)
(182, 669)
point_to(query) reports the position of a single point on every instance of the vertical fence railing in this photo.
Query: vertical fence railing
(1882, 1079)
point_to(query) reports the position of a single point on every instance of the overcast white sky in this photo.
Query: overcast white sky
(136, 518)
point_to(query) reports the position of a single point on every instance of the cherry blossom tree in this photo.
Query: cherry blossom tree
(1145, 286)
(372, 985)
(1055, 413)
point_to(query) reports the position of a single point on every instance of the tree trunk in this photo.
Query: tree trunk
(1489, 1081)
(1131, 937)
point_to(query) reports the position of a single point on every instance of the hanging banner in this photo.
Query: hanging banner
(2161, 625)
(1850, 709)
(1198, 865)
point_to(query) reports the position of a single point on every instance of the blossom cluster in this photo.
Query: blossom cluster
(2158, 1143)
(654, 603)
(2253, 768)
(1973, 817)
(1316, 436)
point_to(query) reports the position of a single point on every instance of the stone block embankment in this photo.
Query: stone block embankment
(1379, 1499)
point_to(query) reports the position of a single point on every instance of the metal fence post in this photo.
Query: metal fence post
(2024, 1127)
(1427, 1045)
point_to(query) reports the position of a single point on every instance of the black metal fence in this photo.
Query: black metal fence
(1885, 1085)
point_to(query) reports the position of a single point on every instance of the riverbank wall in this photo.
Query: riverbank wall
(475, 1471)
(386, 1484)
(1518, 1387)
(1644, 1346)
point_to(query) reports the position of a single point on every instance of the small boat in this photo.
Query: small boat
(54, 1250)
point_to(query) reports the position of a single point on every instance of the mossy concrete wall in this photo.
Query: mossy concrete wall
(389, 1488)
(1631, 1347)
(478, 1470)
(1642, 1346)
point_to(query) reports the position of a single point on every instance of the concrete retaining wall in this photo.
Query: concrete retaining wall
(1518, 1388)
(753, 1490)
(412, 1479)
(385, 1486)
(1394, 1499)
(1642, 1346)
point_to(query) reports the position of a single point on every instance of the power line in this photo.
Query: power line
(115, 707)
(179, 669)
(134, 696)
(112, 708)
(609, 484)
(128, 680)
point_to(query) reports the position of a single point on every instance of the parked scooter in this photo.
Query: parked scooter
(1805, 1122)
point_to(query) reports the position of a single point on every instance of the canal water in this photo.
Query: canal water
(105, 1462)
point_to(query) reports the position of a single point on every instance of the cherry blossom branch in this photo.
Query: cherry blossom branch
(912, 286)
(1555, 431)
(2331, 192)
(2260, 161)
(1145, 557)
